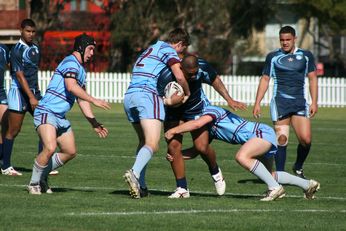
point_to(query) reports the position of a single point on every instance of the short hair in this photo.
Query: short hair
(189, 62)
(288, 30)
(179, 35)
(27, 22)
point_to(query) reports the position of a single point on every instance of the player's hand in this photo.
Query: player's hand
(33, 102)
(235, 105)
(256, 111)
(101, 104)
(101, 131)
(169, 157)
(175, 100)
(169, 134)
(313, 110)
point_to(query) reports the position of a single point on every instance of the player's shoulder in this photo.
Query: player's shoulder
(304, 52)
(274, 53)
(4, 47)
(70, 62)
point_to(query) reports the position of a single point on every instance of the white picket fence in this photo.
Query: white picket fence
(112, 86)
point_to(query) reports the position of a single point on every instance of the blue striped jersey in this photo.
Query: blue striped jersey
(149, 64)
(289, 71)
(4, 60)
(25, 58)
(57, 99)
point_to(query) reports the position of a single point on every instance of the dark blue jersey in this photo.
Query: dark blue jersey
(289, 71)
(4, 60)
(198, 100)
(25, 58)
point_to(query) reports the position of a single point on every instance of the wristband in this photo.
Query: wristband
(94, 122)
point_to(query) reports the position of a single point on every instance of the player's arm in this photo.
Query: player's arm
(25, 87)
(188, 126)
(89, 115)
(179, 76)
(261, 90)
(313, 85)
(221, 89)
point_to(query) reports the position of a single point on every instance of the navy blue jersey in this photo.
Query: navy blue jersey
(289, 71)
(197, 100)
(25, 58)
(4, 60)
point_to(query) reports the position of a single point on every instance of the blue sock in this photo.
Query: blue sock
(143, 157)
(280, 158)
(142, 178)
(39, 147)
(182, 183)
(214, 171)
(302, 153)
(7, 152)
(1, 151)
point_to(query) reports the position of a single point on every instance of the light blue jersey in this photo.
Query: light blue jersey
(233, 129)
(57, 99)
(25, 58)
(148, 66)
(141, 100)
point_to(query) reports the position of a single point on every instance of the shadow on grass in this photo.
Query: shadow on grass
(22, 169)
(252, 181)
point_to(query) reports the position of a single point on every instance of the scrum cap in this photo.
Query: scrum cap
(81, 42)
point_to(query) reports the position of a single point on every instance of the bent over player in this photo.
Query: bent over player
(67, 84)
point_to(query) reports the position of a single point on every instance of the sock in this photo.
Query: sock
(302, 153)
(53, 163)
(286, 178)
(142, 178)
(182, 183)
(143, 157)
(214, 171)
(259, 170)
(37, 171)
(280, 158)
(7, 152)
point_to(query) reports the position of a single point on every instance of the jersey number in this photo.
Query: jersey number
(139, 64)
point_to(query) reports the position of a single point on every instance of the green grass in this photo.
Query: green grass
(90, 194)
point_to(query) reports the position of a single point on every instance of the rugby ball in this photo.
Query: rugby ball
(171, 88)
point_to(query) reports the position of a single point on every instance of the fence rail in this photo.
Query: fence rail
(112, 86)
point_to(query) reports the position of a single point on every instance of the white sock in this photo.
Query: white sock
(261, 172)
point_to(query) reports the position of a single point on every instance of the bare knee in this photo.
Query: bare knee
(282, 140)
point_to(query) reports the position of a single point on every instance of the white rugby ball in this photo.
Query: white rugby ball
(173, 87)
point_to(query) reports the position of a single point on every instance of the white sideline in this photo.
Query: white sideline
(169, 191)
(194, 211)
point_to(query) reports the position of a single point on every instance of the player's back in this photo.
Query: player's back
(150, 63)
(57, 99)
(25, 58)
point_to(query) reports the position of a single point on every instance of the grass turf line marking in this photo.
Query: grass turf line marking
(205, 211)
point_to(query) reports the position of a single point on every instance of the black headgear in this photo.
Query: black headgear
(81, 42)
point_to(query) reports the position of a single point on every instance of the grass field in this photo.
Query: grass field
(90, 194)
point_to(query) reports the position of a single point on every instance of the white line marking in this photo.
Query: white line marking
(168, 191)
(194, 211)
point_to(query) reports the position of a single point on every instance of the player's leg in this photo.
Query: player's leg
(174, 147)
(302, 128)
(47, 134)
(281, 128)
(141, 141)
(3, 123)
(246, 157)
(201, 143)
(15, 121)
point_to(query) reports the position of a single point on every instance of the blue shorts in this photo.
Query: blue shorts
(62, 125)
(281, 108)
(262, 131)
(19, 102)
(143, 105)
